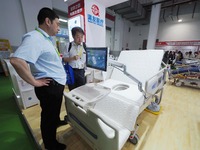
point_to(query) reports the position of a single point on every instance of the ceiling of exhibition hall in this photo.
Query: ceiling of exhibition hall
(139, 11)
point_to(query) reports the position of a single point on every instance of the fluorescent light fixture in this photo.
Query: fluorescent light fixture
(180, 20)
(62, 20)
(65, 0)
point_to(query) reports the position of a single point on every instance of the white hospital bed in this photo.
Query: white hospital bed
(105, 113)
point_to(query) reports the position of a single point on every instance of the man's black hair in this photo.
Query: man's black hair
(77, 29)
(46, 13)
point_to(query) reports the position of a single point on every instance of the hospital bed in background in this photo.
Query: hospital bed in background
(186, 74)
(104, 114)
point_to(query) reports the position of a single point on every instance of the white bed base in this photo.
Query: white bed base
(103, 115)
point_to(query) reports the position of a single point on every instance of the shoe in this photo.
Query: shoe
(66, 118)
(57, 146)
(61, 146)
(61, 123)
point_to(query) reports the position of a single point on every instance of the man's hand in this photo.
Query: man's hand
(23, 70)
(76, 57)
(42, 82)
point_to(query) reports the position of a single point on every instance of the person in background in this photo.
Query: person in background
(191, 54)
(197, 55)
(166, 57)
(186, 56)
(47, 74)
(75, 55)
(180, 56)
(171, 57)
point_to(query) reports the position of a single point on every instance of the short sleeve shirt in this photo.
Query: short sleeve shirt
(76, 50)
(38, 50)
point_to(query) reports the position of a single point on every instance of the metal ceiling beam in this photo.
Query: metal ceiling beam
(172, 10)
(122, 8)
(174, 4)
(163, 16)
(178, 3)
(128, 12)
(123, 5)
(195, 4)
(159, 2)
(130, 9)
(177, 12)
(139, 17)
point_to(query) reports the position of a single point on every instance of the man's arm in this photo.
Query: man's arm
(69, 59)
(24, 72)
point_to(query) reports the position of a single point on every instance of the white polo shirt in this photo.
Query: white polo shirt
(76, 50)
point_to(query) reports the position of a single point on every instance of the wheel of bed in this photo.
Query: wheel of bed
(178, 83)
(134, 139)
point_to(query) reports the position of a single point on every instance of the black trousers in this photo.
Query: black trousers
(79, 78)
(50, 98)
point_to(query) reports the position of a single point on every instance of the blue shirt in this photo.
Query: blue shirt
(38, 50)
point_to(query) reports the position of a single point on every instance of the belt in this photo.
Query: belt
(52, 81)
(78, 68)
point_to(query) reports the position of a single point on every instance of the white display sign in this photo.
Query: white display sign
(76, 21)
(95, 24)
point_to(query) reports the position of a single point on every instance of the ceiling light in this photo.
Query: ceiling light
(65, 0)
(180, 20)
(62, 20)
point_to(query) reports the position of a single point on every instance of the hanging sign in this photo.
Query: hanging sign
(76, 9)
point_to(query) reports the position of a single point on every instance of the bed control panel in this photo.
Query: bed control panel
(88, 95)
(78, 98)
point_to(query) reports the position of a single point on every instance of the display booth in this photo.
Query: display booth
(90, 16)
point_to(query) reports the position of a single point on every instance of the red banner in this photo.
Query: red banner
(76, 9)
(178, 43)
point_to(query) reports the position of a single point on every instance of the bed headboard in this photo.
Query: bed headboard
(142, 64)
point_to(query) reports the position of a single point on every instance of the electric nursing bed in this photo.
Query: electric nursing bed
(186, 75)
(104, 114)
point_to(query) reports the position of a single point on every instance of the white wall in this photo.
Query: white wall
(60, 5)
(167, 31)
(138, 34)
(20, 16)
(110, 23)
(179, 31)
(30, 11)
(126, 42)
(12, 24)
(123, 37)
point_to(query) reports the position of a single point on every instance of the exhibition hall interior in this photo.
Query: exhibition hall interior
(130, 75)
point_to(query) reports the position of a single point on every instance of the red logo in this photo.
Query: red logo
(95, 10)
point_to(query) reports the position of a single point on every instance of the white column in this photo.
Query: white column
(153, 29)
(119, 25)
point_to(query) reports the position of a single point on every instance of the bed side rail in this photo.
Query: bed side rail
(156, 82)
